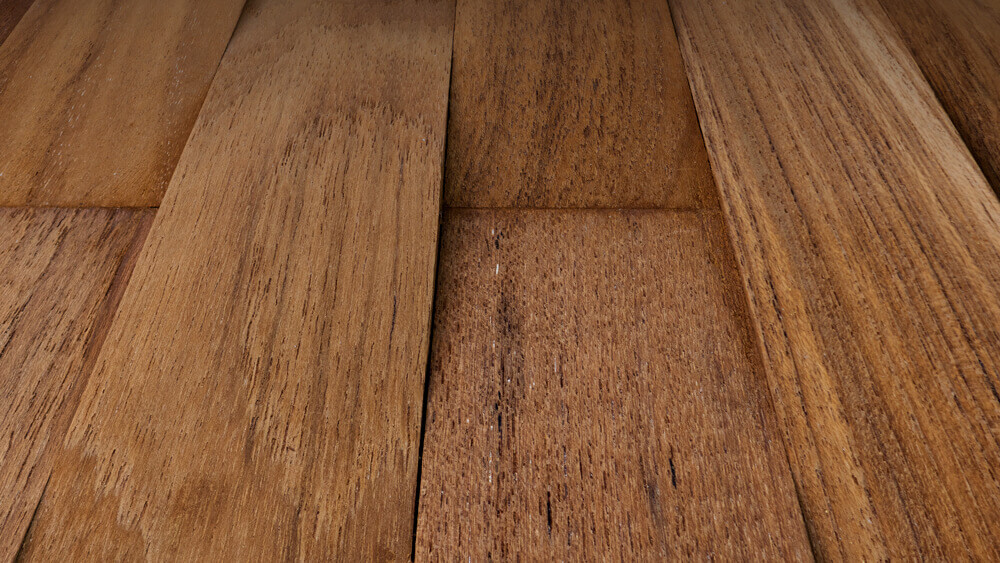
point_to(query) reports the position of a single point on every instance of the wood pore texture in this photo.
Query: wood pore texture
(595, 393)
(869, 242)
(61, 273)
(957, 44)
(558, 103)
(10, 13)
(260, 393)
(98, 97)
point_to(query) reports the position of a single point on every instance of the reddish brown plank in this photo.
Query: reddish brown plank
(99, 96)
(869, 243)
(558, 103)
(260, 393)
(595, 393)
(61, 274)
(957, 44)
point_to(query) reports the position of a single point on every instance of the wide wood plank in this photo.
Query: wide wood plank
(261, 391)
(869, 243)
(61, 276)
(556, 103)
(957, 44)
(595, 392)
(10, 13)
(98, 97)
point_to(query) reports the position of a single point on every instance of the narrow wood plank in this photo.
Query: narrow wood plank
(595, 392)
(957, 44)
(98, 97)
(869, 243)
(10, 13)
(61, 273)
(557, 103)
(261, 390)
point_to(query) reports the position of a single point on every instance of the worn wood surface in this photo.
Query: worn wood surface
(571, 104)
(595, 392)
(10, 13)
(99, 96)
(261, 389)
(61, 274)
(957, 45)
(869, 243)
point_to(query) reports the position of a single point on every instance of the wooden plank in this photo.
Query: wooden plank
(261, 392)
(10, 13)
(957, 45)
(869, 243)
(98, 97)
(595, 392)
(557, 103)
(61, 275)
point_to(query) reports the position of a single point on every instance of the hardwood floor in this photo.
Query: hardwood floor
(62, 272)
(260, 393)
(717, 279)
(10, 13)
(957, 45)
(595, 393)
(98, 97)
(558, 103)
(594, 389)
(869, 243)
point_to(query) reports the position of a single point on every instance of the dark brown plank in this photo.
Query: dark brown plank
(595, 393)
(61, 274)
(869, 242)
(557, 103)
(98, 97)
(957, 44)
(260, 393)
(10, 13)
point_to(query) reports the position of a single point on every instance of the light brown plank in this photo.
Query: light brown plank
(10, 13)
(558, 103)
(869, 243)
(957, 44)
(260, 394)
(61, 274)
(98, 97)
(595, 392)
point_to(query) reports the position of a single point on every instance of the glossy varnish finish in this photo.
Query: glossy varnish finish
(61, 275)
(260, 392)
(559, 103)
(98, 97)
(957, 44)
(595, 392)
(869, 243)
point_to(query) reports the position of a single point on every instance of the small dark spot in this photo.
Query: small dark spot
(548, 509)
(673, 472)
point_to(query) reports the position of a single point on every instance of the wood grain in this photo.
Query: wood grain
(98, 97)
(869, 243)
(558, 103)
(10, 13)
(957, 45)
(261, 390)
(61, 273)
(595, 393)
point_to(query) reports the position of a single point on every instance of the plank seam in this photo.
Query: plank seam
(95, 342)
(434, 293)
(31, 522)
(744, 285)
(686, 209)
